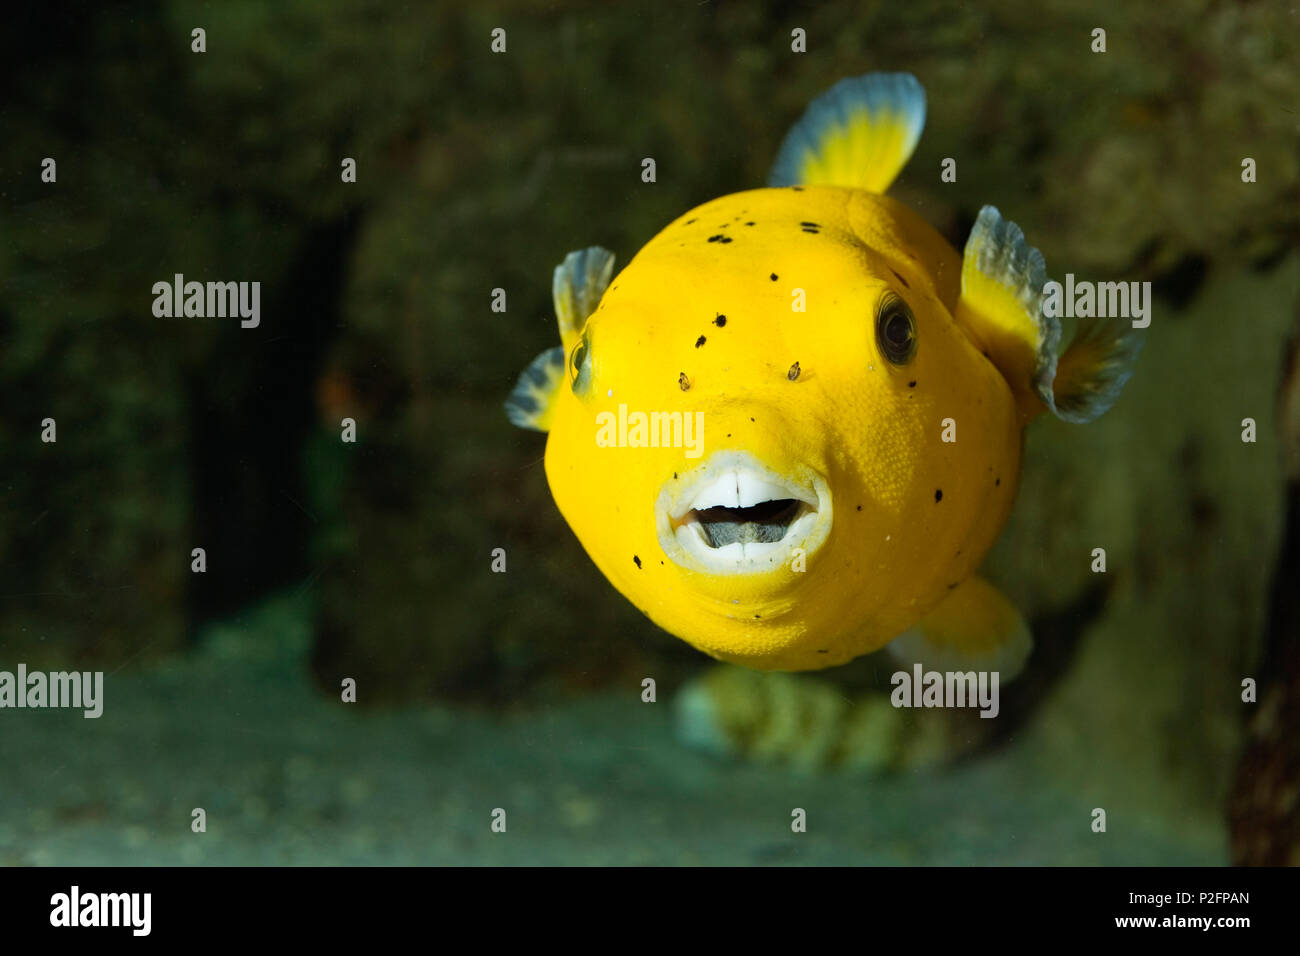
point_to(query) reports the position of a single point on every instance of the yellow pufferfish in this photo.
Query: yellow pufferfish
(859, 392)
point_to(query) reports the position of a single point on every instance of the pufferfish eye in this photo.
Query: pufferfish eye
(580, 366)
(895, 330)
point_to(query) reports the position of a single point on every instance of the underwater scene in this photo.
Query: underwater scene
(666, 434)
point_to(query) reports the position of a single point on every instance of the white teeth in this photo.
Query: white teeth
(741, 486)
(738, 488)
(739, 480)
(744, 556)
(721, 492)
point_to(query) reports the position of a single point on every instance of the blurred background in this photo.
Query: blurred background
(476, 171)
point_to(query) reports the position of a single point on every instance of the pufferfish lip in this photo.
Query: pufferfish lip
(734, 515)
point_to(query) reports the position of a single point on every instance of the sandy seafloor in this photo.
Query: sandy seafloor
(287, 776)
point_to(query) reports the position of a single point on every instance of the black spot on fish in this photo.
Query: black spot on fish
(758, 615)
(689, 221)
(911, 384)
(938, 494)
(715, 238)
(728, 434)
(749, 223)
(810, 225)
(773, 276)
(859, 507)
(724, 240)
(815, 232)
(793, 373)
(751, 419)
(996, 482)
(674, 475)
(684, 383)
(636, 560)
(822, 650)
(797, 189)
(906, 284)
(953, 585)
(700, 341)
(720, 321)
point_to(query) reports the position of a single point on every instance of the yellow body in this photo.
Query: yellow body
(911, 515)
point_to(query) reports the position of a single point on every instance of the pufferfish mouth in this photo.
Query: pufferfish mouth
(735, 515)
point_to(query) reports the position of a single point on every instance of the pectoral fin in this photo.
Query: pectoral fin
(576, 287)
(532, 402)
(1001, 306)
(1093, 370)
(975, 628)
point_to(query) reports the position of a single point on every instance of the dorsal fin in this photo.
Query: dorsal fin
(1002, 280)
(859, 133)
(576, 287)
